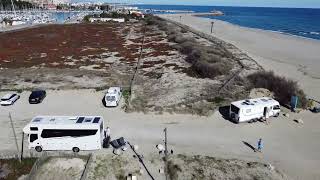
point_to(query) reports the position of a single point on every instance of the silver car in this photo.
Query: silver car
(9, 99)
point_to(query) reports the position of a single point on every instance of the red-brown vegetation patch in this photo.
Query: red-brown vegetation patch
(50, 46)
(148, 64)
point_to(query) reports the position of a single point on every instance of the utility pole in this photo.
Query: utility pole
(166, 153)
(165, 142)
(14, 133)
(212, 26)
(140, 160)
(21, 156)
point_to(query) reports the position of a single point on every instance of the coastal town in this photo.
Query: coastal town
(117, 91)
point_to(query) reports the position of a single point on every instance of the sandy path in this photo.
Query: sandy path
(291, 147)
(294, 57)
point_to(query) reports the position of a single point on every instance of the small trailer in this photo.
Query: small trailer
(254, 109)
(65, 133)
(113, 96)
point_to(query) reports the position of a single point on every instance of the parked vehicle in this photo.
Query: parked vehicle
(254, 109)
(9, 99)
(315, 110)
(37, 96)
(65, 133)
(113, 96)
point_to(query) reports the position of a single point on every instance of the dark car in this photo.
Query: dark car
(316, 110)
(37, 96)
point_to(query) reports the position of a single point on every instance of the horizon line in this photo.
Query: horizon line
(290, 7)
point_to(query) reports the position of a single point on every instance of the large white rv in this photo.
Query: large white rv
(65, 133)
(254, 109)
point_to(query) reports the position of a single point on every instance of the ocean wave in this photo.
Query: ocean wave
(315, 33)
(304, 33)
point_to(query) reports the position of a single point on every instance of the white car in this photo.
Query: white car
(113, 96)
(9, 99)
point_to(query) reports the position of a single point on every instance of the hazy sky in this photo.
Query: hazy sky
(264, 3)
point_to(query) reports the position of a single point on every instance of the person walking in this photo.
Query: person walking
(260, 145)
(107, 132)
(107, 137)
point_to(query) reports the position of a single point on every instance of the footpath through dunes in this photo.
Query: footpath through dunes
(293, 57)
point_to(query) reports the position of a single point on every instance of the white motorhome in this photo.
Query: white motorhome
(253, 109)
(65, 133)
(113, 96)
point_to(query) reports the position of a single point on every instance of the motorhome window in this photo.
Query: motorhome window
(33, 137)
(51, 133)
(33, 128)
(234, 109)
(111, 98)
(276, 107)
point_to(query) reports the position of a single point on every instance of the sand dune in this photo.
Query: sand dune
(294, 57)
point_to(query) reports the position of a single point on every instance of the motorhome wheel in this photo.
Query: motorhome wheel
(38, 148)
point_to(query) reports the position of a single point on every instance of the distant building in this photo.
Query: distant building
(51, 7)
(49, 2)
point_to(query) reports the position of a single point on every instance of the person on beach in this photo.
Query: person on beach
(260, 145)
(106, 142)
(107, 132)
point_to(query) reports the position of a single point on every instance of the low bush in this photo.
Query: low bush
(211, 70)
(208, 62)
(282, 87)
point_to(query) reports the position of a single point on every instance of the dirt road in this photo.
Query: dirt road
(289, 146)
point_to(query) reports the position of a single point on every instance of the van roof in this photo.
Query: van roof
(113, 90)
(263, 101)
(66, 120)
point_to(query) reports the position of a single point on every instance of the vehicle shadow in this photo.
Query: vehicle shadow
(224, 111)
(104, 101)
(249, 145)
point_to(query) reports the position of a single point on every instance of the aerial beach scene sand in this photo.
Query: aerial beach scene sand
(117, 91)
(290, 56)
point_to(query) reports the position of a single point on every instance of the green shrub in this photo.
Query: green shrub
(282, 87)
(87, 18)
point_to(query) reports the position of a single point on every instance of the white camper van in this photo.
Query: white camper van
(65, 133)
(254, 109)
(113, 96)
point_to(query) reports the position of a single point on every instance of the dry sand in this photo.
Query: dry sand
(294, 57)
(61, 168)
(291, 147)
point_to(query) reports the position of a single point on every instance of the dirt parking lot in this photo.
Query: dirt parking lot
(285, 144)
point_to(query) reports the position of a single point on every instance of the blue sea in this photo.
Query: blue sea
(294, 21)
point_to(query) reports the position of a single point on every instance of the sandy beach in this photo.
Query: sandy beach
(289, 146)
(293, 57)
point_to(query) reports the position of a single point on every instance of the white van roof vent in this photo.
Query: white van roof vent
(73, 118)
(247, 103)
